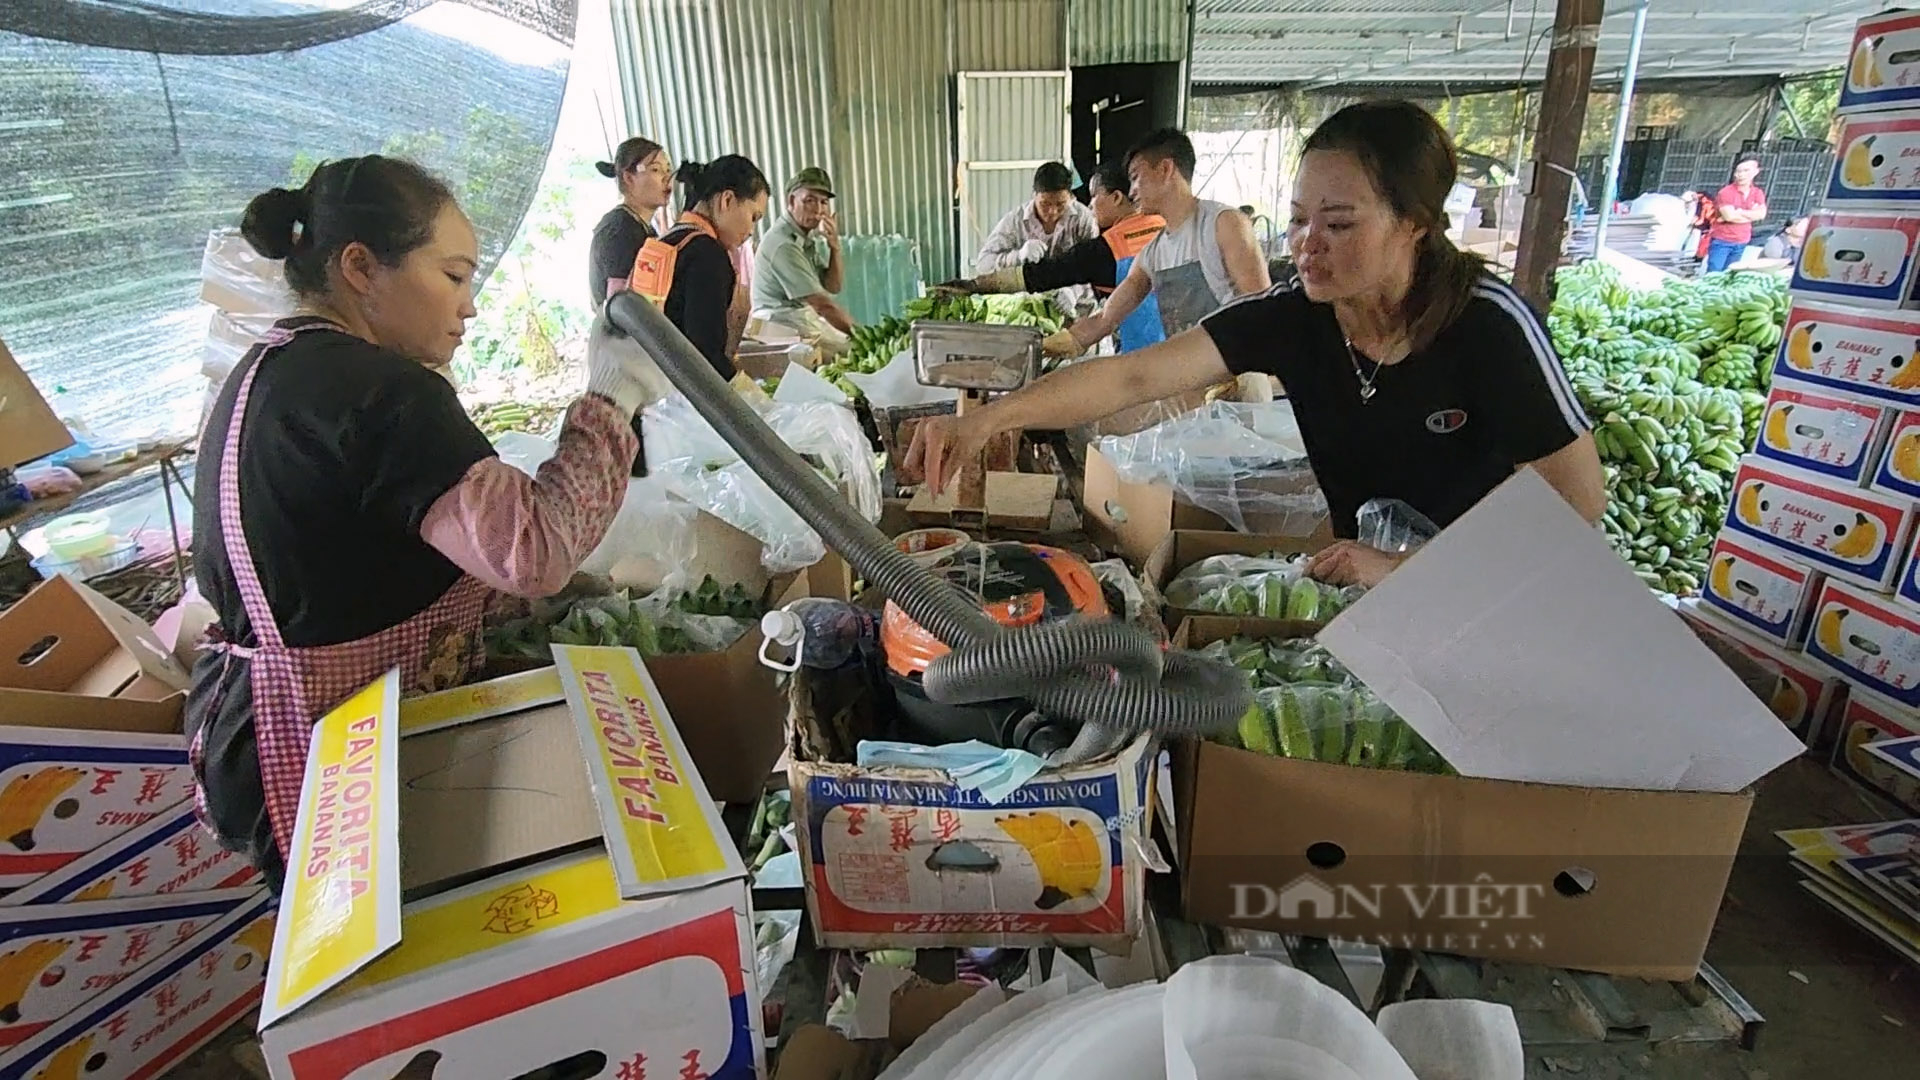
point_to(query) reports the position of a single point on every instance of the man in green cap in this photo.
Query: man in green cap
(794, 281)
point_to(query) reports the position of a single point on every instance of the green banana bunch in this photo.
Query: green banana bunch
(1674, 379)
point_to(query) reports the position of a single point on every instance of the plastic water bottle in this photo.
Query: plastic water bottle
(817, 633)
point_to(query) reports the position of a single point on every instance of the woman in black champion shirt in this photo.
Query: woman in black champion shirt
(1414, 374)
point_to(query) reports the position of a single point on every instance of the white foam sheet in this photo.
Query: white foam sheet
(1123, 1040)
(994, 1058)
(1456, 1040)
(1242, 1016)
(955, 1047)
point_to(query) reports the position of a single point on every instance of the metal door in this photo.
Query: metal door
(1011, 123)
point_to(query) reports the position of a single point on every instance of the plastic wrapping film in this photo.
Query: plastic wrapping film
(1244, 462)
(249, 294)
(697, 465)
(651, 543)
(1392, 525)
(1266, 587)
(654, 624)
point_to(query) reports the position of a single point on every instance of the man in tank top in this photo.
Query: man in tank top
(1204, 257)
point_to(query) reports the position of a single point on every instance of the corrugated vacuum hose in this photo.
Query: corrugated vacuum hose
(1109, 677)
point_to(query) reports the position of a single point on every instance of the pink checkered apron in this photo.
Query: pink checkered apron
(293, 687)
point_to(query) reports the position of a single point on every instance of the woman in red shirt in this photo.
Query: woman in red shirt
(1736, 209)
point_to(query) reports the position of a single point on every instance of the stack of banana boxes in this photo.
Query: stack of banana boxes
(128, 938)
(1815, 570)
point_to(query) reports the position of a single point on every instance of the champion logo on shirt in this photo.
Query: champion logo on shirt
(1446, 421)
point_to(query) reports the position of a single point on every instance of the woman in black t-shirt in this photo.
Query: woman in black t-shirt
(645, 174)
(1414, 374)
(349, 518)
(695, 286)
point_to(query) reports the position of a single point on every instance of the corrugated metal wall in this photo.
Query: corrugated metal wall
(860, 86)
(895, 161)
(1009, 35)
(1126, 31)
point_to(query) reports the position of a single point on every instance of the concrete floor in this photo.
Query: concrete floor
(1855, 1017)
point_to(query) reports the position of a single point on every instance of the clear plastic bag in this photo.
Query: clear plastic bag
(1392, 526)
(1245, 463)
(655, 625)
(1278, 663)
(1118, 581)
(1337, 724)
(697, 465)
(1263, 587)
(242, 282)
(650, 545)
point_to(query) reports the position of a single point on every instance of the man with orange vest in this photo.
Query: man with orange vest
(1102, 262)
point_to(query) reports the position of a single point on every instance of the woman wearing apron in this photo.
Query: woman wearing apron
(1414, 374)
(690, 271)
(349, 517)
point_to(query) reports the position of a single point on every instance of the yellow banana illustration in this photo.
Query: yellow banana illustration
(1067, 853)
(1776, 429)
(1748, 506)
(1720, 578)
(1858, 168)
(1908, 375)
(1906, 456)
(70, 1063)
(1800, 347)
(1864, 71)
(19, 970)
(1788, 701)
(25, 800)
(1858, 542)
(1813, 260)
(99, 890)
(257, 937)
(1828, 631)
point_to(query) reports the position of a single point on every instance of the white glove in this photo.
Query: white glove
(1033, 251)
(619, 370)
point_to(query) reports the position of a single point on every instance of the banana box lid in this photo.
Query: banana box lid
(1863, 258)
(1883, 67)
(1878, 161)
(1849, 532)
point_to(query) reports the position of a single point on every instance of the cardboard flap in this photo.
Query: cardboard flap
(28, 427)
(480, 701)
(137, 638)
(662, 830)
(340, 907)
(1522, 648)
(49, 641)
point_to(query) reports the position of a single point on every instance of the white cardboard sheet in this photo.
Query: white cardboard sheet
(1521, 646)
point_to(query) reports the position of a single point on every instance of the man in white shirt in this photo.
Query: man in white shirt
(1046, 225)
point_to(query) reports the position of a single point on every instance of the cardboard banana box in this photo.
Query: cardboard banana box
(1868, 639)
(1805, 695)
(1883, 68)
(1828, 436)
(1865, 258)
(1767, 593)
(1877, 164)
(1866, 356)
(1870, 718)
(1849, 532)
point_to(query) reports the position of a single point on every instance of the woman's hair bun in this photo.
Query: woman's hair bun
(271, 219)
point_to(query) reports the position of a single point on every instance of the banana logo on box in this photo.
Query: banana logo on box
(1813, 259)
(1067, 854)
(24, 802)
(1864, 72)
(1858, 542)
(1749, 505)
(1907, 376)
(20, 969)
(1858, 169)
(1905, 459)
(1828, 632)
(72, 1062)
(1776, 432)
